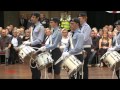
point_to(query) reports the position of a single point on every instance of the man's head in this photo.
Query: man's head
(117, 25)
(74, 24)
(3, 33)
(54, 22)
(15, 32)
(35, 16)
(42, 16)
(93, 34)
(27, 33)
(83, 17)
(47, 31)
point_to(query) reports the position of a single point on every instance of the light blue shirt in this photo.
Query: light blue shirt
(86, 30)
(78, 40)
(56, 39)
(38, 34)
(117, 46)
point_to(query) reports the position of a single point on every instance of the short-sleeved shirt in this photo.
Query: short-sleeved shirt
(4, 42)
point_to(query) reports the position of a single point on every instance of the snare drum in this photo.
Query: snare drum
(26, 52)
(72, 65)
(44, 60)
(111, 59)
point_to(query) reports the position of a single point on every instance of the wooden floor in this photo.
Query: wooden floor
(22, 71)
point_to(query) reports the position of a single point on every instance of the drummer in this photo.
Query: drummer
(52, 46)
(77, 39)
(116, 43)
(38, 36)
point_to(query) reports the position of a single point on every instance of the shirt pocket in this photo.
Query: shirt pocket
(37, 29)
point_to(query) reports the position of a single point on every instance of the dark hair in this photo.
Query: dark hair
(37, 14)
(76, 20)
(55, 19)
(82, 14)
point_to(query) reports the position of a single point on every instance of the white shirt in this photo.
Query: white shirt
(47, 40)
(64, 42)
(14, 42)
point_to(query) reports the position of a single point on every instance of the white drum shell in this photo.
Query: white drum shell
(44, 60)
(111, 59)
(73, 64)
(25, 51)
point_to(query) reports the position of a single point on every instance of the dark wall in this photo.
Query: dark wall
(1, 18)
(101, 18)
(11, 17)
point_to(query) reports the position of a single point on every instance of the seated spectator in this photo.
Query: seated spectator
(7, 32)
(20, 33)
(110, 35)
(5, 44)
(110, 28)
(64, 40)
(47, 36)
(104, 44)
(105, 29)
(23, 21)
(27, 35)
(44, 21)
(10, 29)
(94, 47)
(100, 33)
(16, 41)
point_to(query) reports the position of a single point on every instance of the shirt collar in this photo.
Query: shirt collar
(37, 23)
(83, 24)
(76, 30)
(56, 29)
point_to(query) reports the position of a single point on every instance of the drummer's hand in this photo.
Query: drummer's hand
(65, 54)
(43, 48)
(27, 43)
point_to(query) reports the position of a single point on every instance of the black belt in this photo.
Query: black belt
(38, 45)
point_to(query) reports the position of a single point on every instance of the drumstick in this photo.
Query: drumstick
(35, 47)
